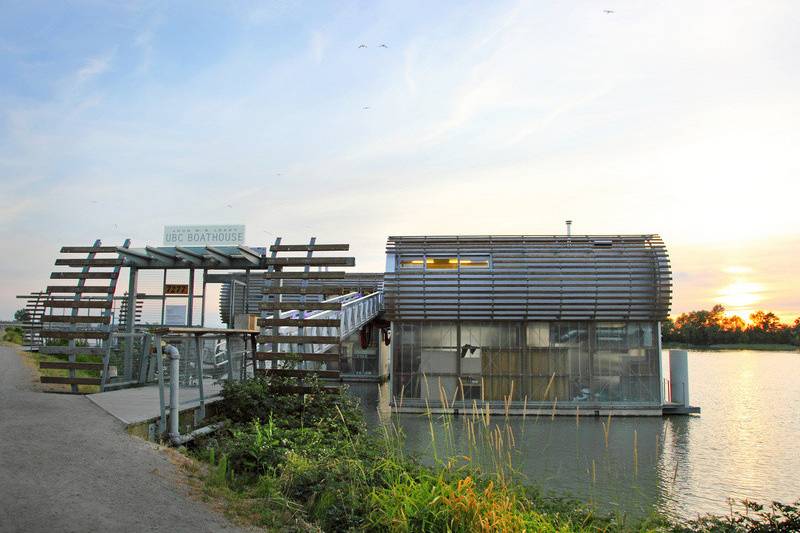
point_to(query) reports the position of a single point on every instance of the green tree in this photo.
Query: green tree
(22, 315)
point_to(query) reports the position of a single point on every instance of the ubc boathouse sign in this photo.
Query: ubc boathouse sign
(219, 235)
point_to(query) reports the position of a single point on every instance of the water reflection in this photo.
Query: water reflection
(742, 446)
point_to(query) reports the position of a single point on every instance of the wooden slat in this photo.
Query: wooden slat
(293, 356)
(88, 249)
(66, 319)
(310, 261)
(309, 248)
(70, 381)
(311, 289)
(74, 334)
(84, 275)
(300, 322)
(72, 350)
(67, 365)
(305, 306)
(332, 274)
(293, 373)
(79, 290)
(89, 262)
(299, 339)
(80, 304)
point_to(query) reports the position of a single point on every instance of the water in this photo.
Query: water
(743, 445)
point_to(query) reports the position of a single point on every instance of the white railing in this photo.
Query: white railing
(356, 313)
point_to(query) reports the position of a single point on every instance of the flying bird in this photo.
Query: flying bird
(229, 205)
(382, 46)
(365, 107)
(608, 11)
(362, 45)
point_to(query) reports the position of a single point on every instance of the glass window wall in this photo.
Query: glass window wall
(560, 361)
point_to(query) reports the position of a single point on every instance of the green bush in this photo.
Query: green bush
(13, 334)
(777, 518)
(263, 398)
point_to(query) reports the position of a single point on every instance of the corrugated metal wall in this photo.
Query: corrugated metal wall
(619, 277)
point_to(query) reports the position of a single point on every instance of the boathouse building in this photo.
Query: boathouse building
(559, 321)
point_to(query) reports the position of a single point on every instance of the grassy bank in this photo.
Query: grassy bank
(308, 463)
(738, 346)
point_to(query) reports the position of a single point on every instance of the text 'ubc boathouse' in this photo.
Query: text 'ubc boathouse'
(455, 323)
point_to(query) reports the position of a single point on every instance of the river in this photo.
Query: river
(743, 445)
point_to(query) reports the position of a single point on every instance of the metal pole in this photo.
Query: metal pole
(162, 422)
(202, 411)
(130, 321)
(191, 298)
(143, 364)
(229, 352)
(174, 386)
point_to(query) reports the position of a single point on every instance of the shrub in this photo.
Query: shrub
(777, 518)
(13, 334)
(262, 398)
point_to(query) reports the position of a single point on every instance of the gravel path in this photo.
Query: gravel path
(65, 465)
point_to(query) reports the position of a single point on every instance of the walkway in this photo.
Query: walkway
(65, 465)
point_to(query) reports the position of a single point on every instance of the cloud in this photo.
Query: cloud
(317, 44)
(94, 67)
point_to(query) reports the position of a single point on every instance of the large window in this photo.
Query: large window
(418, 262)
(546, 362)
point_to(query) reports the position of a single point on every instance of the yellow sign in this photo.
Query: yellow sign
(179, 289)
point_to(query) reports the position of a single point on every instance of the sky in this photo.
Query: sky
(676, 118)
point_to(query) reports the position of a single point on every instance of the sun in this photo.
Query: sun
(739, 297)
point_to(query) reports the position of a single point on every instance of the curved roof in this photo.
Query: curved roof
(522, 277)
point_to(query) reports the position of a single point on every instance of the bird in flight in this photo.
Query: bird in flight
(362, 45)
(608, 11)
(365, 107)
(382, 46)
(229, 205)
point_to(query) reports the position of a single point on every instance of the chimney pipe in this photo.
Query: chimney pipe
(569, 228)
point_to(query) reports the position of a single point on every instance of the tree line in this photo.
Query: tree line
(713, 327)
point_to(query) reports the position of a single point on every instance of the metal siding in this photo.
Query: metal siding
(533, 278)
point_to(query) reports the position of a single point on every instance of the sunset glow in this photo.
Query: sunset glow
(739, 294)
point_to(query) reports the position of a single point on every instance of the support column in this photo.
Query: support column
(130, 324)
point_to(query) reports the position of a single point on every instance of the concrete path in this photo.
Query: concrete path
(65, 465)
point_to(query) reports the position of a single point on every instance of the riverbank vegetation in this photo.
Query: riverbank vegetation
(290, 462)
(713, 327)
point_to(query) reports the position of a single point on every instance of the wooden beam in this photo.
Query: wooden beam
(294, 356)
(79, 304)
(300, 322)
(72, 350)
(89, 262)
(70, 381)
(309, 248)
(305, 275)
(297, 306)
(311, 289)
(310, 261)
(84, 275)
(67, 365)
(74, 334)
(77, 319)
(299, 339)
(79, 290)
(88, 249)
